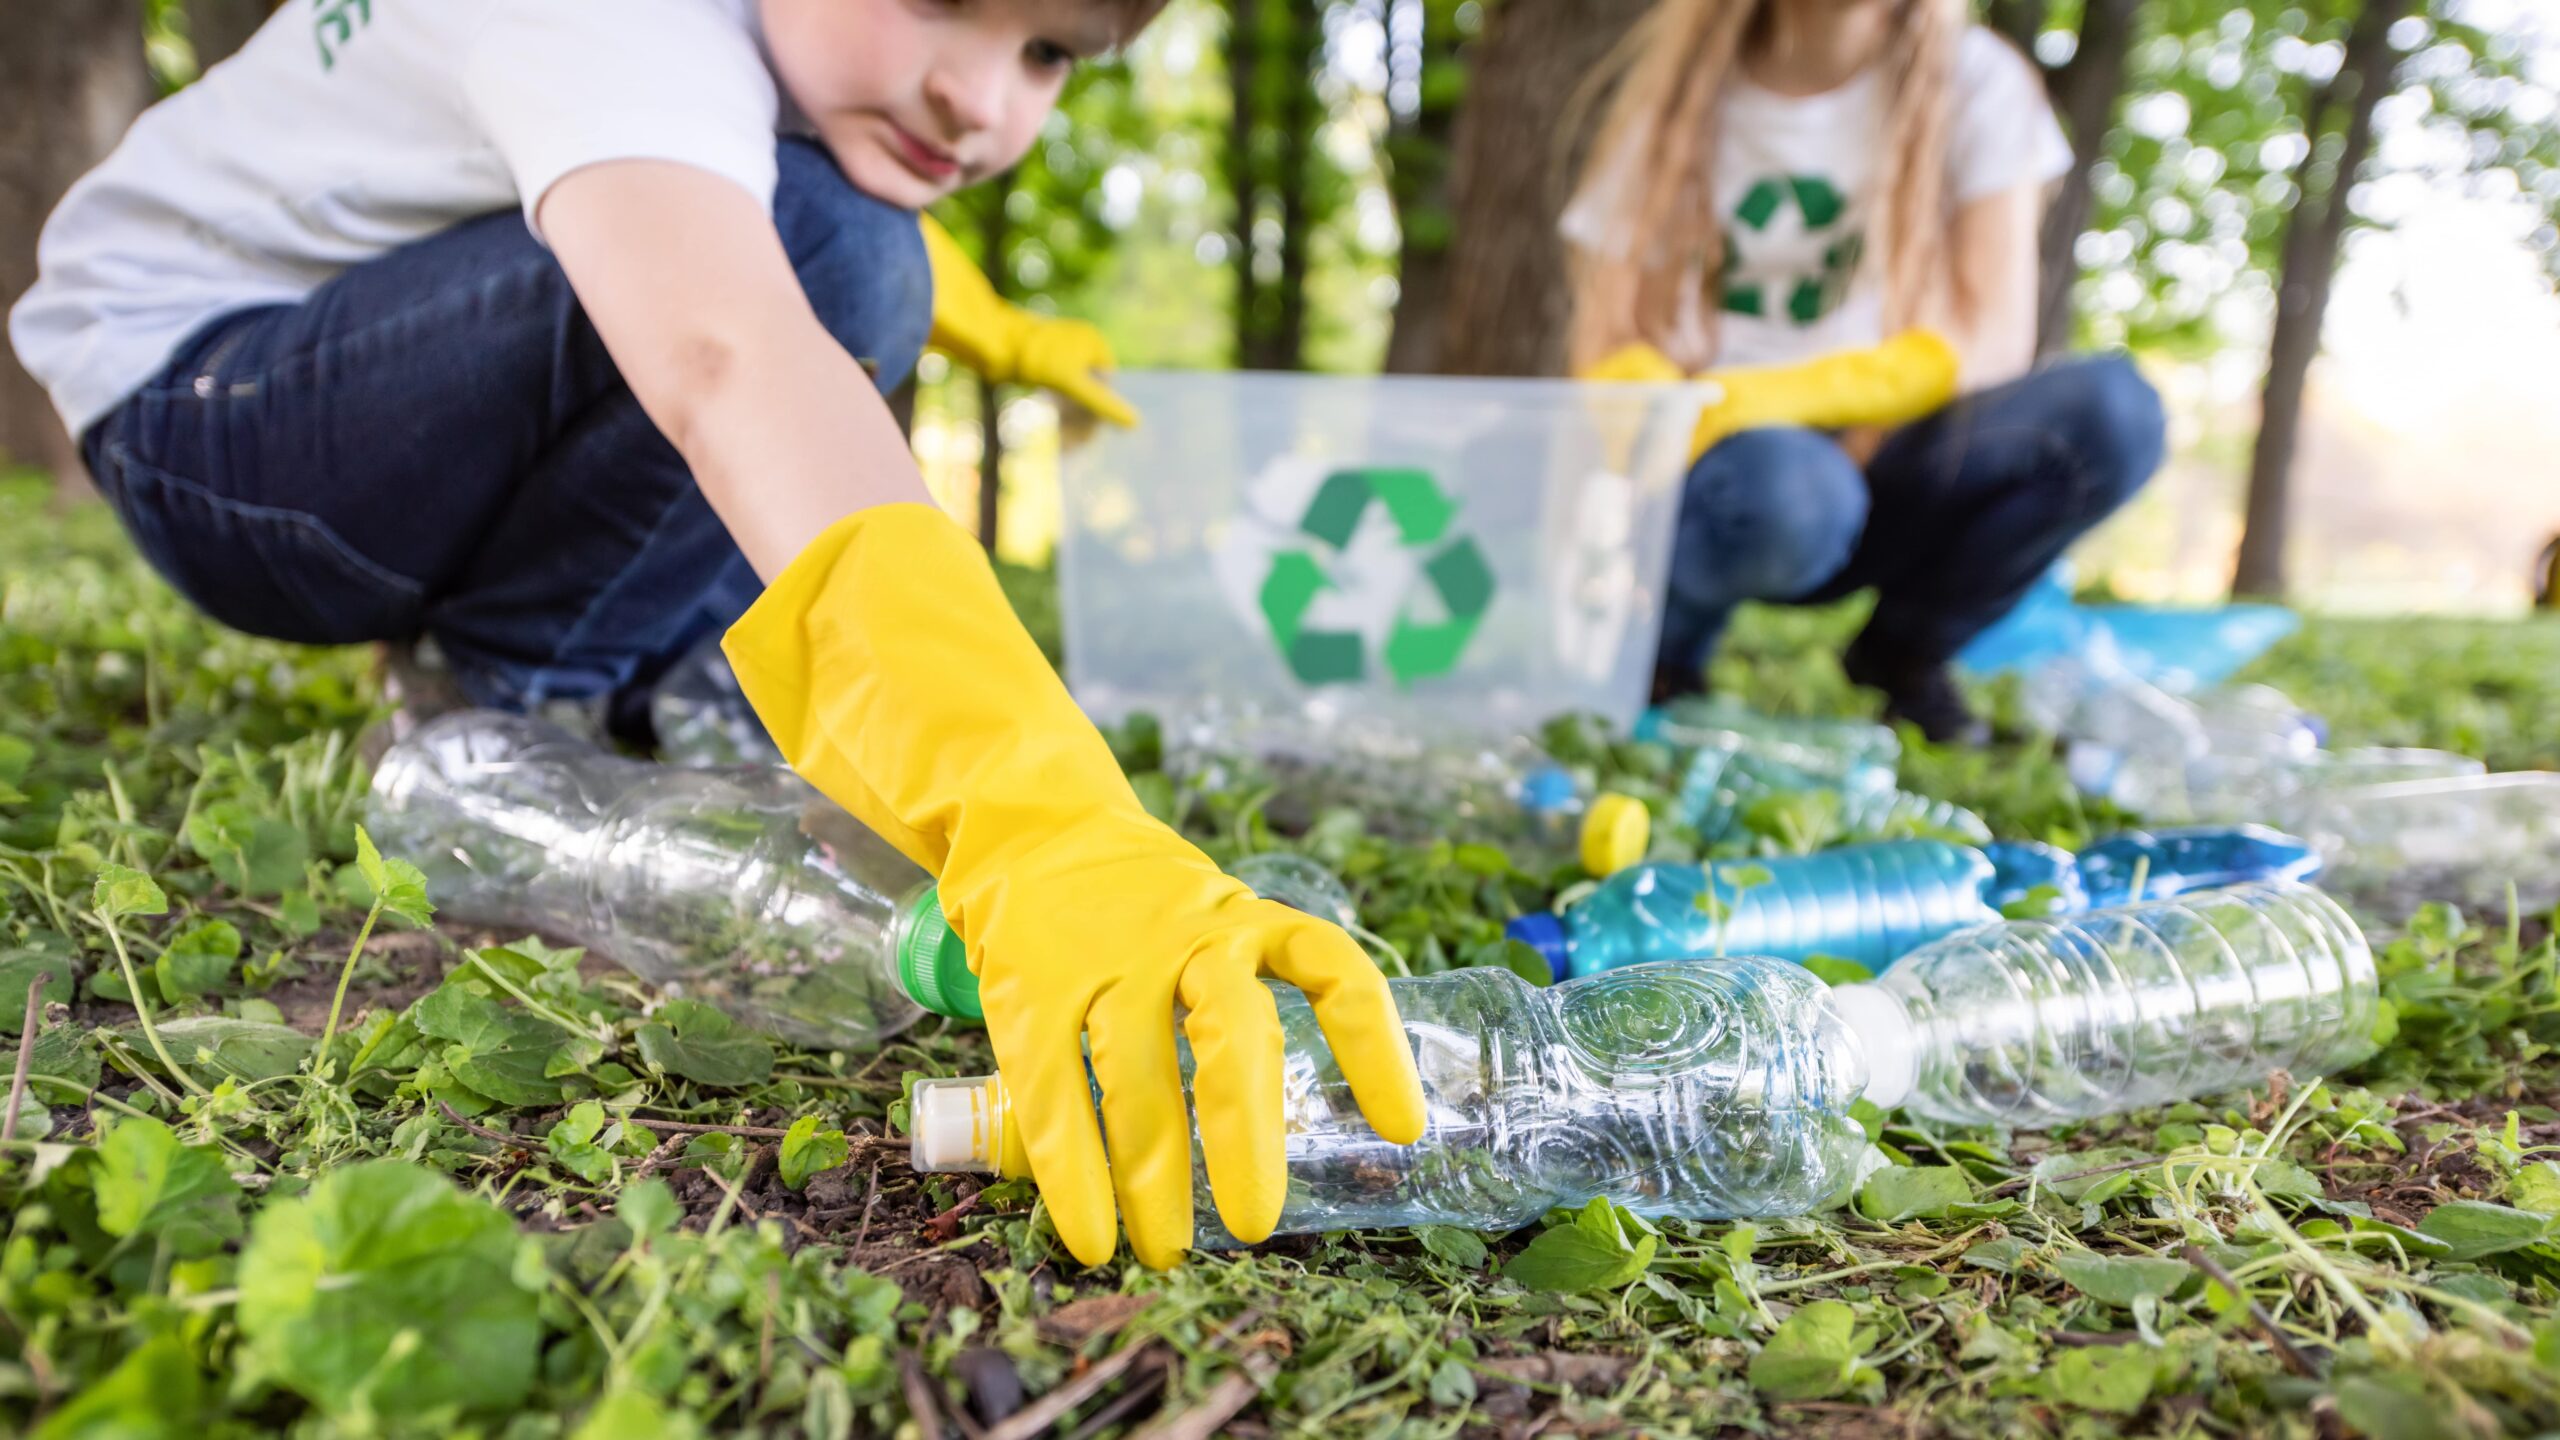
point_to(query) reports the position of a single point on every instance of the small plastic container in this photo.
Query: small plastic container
(1445, 555)
(2461, 839)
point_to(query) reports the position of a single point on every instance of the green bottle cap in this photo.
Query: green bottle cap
(933, 966)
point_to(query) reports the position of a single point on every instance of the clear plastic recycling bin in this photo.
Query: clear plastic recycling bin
(1438, 555)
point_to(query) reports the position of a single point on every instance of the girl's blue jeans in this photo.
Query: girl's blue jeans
(436, 443)
(1950, 523)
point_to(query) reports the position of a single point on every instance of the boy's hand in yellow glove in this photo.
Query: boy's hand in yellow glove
(886, 663)
(1899, 380)
(1008, 343)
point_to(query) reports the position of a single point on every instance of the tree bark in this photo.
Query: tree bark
(71, 78)
(216, 29)
(2086, 91)
(1512, 172)
(2306, 265)
(1285, 347)
(1418, 181)
(1244, 73)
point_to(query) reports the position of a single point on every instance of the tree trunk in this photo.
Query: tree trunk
(2019, 20)
(1418, 181)
(218, 28)
(2086, 91)
(1300, 114)
(2307, 264)
(71, 78)
(1512, 172)
(1244, 74)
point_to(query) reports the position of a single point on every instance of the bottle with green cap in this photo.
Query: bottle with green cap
(743, 888)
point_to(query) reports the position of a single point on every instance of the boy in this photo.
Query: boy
(513, 323)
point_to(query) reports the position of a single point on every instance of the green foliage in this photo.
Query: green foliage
(808, 1150)
(691, 1040)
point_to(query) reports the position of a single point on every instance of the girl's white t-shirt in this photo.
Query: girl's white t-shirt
(346, 129)
(1794, 190)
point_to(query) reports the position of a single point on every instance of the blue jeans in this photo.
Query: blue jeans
(1950, 523)
(436, 443)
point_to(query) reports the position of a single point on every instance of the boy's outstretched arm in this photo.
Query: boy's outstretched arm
(888, 666)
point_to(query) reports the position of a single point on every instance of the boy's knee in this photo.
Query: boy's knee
(2113, 419)
(860, 260)
(1785, 508)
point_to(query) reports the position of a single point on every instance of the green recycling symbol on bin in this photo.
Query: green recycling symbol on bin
(1416, 647)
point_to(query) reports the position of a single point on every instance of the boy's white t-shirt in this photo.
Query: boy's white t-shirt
(1793, 188)
(346, 129)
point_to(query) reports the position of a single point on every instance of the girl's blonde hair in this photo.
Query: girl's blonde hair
(1648, 184)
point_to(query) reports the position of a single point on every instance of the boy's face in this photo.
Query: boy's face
(916, 98)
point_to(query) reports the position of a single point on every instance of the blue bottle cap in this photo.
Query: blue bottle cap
(1544, 932)
(1548, 790)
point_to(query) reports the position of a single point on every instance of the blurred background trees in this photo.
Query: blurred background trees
(1357, 185)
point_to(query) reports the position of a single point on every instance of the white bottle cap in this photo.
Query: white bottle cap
(1886, 1034)
(952, 1125)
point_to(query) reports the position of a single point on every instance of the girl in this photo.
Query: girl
(530, 325)
(1778, 181)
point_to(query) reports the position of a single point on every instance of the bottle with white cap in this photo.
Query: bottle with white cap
(1712, 1089)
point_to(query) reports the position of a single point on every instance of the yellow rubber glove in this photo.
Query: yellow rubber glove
(887, 665)
(1005, 342)
(1902, 379)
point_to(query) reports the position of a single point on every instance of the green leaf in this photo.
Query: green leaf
(1461, 1248)
(156, 1393)
(808, 1150)
(20, 970)
(2113, 1379)
(2066, 1176)
(1831, 970)
(388, 1285)
(629, 1413)
(649, 1207)
(1452, 1383)
(198, 962)
(2474, 1228)
(121, 890)
(719, 1153)
(2395, 1407)
(2537, 1188)
(572, 1143)
(1913, 1192)
(253, 854)
(500, 1052)
(694, 1041)
(150, 1185)
(244, 1049)
(400, 886)
(1811, 1357)
(1592, 1253)
(2120, 1280)
(369, 861)
(65, 1053)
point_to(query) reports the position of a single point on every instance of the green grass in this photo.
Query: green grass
(472, 1209)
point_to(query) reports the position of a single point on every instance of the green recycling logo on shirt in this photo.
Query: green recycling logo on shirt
(1435, 612)
(1803, 298)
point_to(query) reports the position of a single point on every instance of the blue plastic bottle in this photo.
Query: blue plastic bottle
(2019, 868)
(1867, 903)
(2173, 862)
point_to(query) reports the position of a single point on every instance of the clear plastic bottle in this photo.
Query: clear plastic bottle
(1712, 1091)
(1721, 1088)
(1720, 786)
(2173, 862)
(2125, 739)
(2034, 1022)
(1867, 903)
(1850, 754)
(743, 888)
(2463, 839)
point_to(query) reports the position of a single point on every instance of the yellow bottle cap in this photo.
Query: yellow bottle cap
(1615, 832)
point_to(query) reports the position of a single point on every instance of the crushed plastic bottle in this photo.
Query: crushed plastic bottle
(2158, 864)
(2463, 839)
(1720, 787)
(2035, 1022)
(1706, 1092)
(1866, 903)
(702, 718)
(743, 888)
(1720, 1089)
